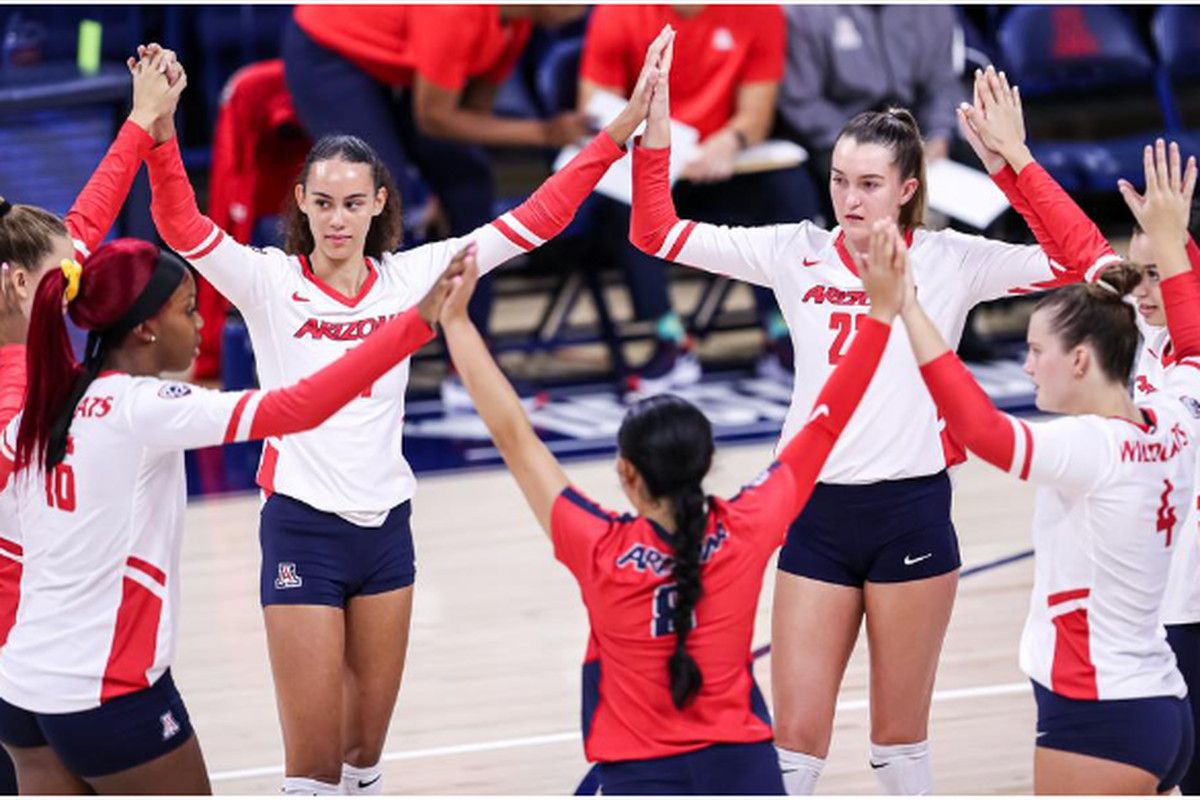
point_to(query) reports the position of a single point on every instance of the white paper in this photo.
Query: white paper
(964, 193)
(617, 183)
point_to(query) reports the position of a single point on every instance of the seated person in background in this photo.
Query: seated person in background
(724, 83)
(417, 83)
(842, 60)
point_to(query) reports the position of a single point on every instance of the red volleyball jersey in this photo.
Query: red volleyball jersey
(623, 566)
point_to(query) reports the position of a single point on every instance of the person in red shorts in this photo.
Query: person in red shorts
(730, 63)
(670, 705)
(417, 83)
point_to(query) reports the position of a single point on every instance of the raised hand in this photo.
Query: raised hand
(430, 307)
(884, 271)
(158, 82)
(658, 118)
(997, 118)
(638, 106)
(1163, 210)
(13, 324)
(462, 286)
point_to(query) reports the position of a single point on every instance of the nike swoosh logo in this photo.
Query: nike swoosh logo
(818, 412)
(811, 262)
(372, 782)
(909, 560)
(296, 296)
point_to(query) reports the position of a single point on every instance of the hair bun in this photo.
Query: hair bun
(5, 207)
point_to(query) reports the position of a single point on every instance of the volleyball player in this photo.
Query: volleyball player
(33, 240)
(1114, 477)
(88, 703)
(337, 564)
(670, 705)
(896, 560)
(1181, 601)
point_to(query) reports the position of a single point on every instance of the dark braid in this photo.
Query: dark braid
(669, 441)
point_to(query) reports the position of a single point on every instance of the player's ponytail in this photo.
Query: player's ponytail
(897, 130)
(1097, 313)
(124, 283)
(669, 441)
(386, 229)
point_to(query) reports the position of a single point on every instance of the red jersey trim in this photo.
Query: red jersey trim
(235, 418)
(1070, 594)
(266, 469)
(681, 240)
(844, 252)
(351, 302)
(11, 548)
(1028, 460)
(148, 569)
(514, 237)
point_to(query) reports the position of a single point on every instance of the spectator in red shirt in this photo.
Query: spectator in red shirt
(730, 63)
(417, 83)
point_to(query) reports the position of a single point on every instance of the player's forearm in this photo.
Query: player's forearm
(970, 416)
(98, 204)
(1181, 302)
(173, 200)
(466, 125)
(926, 340)
(495, 400)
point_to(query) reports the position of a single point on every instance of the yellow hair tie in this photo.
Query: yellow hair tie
(72, 272)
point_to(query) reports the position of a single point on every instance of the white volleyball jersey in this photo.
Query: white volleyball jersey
(102, 532)
(1181, 601)
(1108, 515)
(896, 432)
(352, 464)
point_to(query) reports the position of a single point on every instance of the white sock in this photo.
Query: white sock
(800, 770)
(309, 786)
(902, 769)
(362, 780)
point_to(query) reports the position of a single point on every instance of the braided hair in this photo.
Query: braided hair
(670, 443)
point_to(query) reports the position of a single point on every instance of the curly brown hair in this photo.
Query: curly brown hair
(386, 229)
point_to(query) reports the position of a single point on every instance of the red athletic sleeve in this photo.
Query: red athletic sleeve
(310, 402)
(173, 204)
(1181, 302)
(1076, 247)
(653, 214)
(970, 416)
(1193, 253)
(97, 206)
(577, 525)
(806, 453)
(12, 381)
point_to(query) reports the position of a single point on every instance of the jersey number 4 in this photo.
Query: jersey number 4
(60, 484)
(1166, 514)
(843, 324)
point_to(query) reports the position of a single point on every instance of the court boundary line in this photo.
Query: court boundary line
(856, 704)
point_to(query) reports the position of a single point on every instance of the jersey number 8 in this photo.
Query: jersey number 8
(663, 622)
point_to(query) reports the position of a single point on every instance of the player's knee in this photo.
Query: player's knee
(802, 736)
(363, 753)
(899, 731)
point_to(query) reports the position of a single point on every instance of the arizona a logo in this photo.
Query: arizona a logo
(287, 577)
(170, 726)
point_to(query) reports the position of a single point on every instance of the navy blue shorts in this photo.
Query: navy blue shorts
(312, 557)
(716, 769)
(121, 734)
(1185, 641)
(1151, 733)
(885, 532)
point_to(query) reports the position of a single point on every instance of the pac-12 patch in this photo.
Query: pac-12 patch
(173, 391)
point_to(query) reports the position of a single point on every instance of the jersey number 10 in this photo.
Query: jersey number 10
(60, 484)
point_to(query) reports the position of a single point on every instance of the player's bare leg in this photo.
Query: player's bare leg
(180, 771)
(906, 624)
(307, 649)
(814, 625)
(377, 627)
(41, 771)
(1062, 772)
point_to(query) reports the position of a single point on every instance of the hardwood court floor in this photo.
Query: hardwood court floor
(490, 702)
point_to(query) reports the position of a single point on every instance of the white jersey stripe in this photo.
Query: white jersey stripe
(81, 248)
(137, 575)
(672, 235)
(1020, 446)
(247, 420)
(521, 230)
(1102, 262)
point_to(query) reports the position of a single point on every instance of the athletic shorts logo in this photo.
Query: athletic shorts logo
(170, 726)
(174, 391)
(364, 784)
(909, 560)
(287, 577)
(818, 412)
